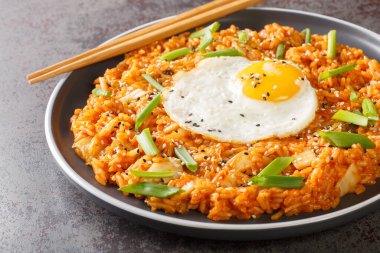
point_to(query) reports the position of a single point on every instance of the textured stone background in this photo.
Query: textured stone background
(40, 211)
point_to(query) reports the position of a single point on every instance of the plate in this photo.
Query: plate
(73, 90)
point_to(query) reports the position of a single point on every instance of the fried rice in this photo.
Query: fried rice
(104, 135)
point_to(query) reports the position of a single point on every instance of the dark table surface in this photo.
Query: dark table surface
(40, 211)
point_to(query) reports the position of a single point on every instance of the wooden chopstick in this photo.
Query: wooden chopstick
(132, 35)
(144, 39)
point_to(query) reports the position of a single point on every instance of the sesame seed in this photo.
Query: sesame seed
(230, 101)
(245, 153)
(190, 114)
(171, 90)
(242, 115)
(293, 118)
(182, 97)
(205, 157)
(257, 125)
(268, 94)
(144, 160)
(219, 130)
(202, 120)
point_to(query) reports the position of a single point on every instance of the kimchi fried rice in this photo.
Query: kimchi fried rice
(105, 134)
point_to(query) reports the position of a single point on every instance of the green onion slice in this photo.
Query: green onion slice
(146, 142)
(331, 47)
(350, 117)
(278, 181)
(185, 157)
(226, 52)
(151, 174)
(206, 40)
(147, 110)
(307, 32)
(345, 139)
(338, 71)
(243, 36)
(276, 166)
(212, 28)
(280, 51)
(151, 189)
(176, 54)
(353, 95)
(357, 112)
(100, 92)
(369, 109)
(153, 82)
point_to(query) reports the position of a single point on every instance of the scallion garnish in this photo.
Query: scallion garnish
(307, 32)
(100, 92)
(151, 174)
(147, 110)
(212, 28)
(276, 166)
(146, 142)
(350, 117)
(353, 95)
(153, 82)
(280, 51)
(151, 189)
(357, 112)
(243, 36)
(225, 52)
(338, 71)
(331, 47)
(278, 181)
(185, 157)
(206, 40)
(176, 54)
(369, 109)
(346, 139)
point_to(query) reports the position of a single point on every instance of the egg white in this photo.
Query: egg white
(200, 101)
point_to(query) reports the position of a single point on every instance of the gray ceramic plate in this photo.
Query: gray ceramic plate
(72, 92)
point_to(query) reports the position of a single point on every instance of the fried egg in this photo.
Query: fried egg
(236, 100)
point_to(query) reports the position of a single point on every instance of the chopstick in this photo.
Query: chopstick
(180, 23)
(132, 35)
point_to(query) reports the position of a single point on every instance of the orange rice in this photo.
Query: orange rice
(104, 133)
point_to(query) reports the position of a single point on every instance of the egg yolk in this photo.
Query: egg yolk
(270, 80)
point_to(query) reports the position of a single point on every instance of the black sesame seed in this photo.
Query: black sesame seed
(302, 78)
(298, 137)
(190, 114)
(264, 74)
(257, 125)
(219, 130)
(194, 124)
(331, 158)
(144, 160)
(242, 115)
(182, 96)
(171, 90)
(203, 150)
(205, 157)
(264, 98)
(176, 131)
(293, 118)
(202, 120)
(168, 72)
(138, 98)
(245, 153)
(268, 94)
(230, 101)
(138, 151)
(154, 139)
(209, 130)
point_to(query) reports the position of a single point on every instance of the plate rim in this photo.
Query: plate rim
(88, 187)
